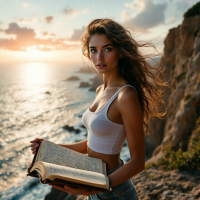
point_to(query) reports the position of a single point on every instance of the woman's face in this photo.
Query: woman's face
(102, 54)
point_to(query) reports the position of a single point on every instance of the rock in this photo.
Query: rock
(159, 186)
(97, 81)
(85, 70)
(155, 193)
(47, 92)
(182, 48)
(196, 192)
(170, 185)
(77, 130)
(82, 126)
(73, 78)
(84, 84)
(85, 134)
(33, 184)
(69, 128)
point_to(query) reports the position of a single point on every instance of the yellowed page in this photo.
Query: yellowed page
(38, 154)
(104, 168)
(75, 174)
(56, 154)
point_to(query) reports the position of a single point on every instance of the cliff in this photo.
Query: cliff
(182, 48)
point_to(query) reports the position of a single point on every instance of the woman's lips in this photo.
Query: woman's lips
(101, 66)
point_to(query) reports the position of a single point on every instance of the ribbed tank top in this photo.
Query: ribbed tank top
(104, 136)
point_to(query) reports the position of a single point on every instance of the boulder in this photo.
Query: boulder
(72, 78)
(84, 84)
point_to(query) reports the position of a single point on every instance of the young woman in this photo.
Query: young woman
(120, 109)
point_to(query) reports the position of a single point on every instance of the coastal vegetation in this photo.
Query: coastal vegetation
(194, 10)
(183, 160)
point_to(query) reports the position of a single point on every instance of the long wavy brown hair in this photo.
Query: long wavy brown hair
(133, 66)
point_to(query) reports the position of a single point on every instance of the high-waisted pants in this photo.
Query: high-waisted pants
(123, 191)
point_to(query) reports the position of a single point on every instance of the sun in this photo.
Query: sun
(33, 52)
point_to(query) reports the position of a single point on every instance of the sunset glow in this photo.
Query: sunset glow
(40, 31)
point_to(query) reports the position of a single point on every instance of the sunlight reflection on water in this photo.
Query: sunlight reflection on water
(35, 74)
(26, 112)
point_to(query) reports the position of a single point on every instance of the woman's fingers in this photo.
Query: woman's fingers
(33, 152)
(36, 140)
(35, 146)
(72, 190)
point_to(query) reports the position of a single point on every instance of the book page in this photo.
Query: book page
(75, 174)
(56, 154)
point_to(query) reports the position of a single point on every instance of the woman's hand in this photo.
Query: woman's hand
(72, 190)
(35, 144)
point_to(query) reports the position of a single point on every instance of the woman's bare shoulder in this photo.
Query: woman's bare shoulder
(126, 97)
(98, 89)
(128, 93)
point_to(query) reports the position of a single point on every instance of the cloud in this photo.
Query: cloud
(26, 38)
(85, 11)
(125, 15)
(48, 19)
(25, 5)
(136, 5)
(77, 34)
(47, 34)
(173, 19)
(149, 14)
(32, 20)
(70, 12)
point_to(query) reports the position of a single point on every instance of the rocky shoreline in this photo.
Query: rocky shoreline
(155, 184)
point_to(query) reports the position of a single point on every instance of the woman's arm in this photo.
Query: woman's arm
(80, 147)
(131, 112)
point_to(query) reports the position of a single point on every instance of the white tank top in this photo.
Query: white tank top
(104, 136)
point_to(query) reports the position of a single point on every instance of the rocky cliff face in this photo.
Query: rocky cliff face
(182, 71)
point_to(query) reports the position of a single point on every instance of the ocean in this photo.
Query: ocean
(37, 101)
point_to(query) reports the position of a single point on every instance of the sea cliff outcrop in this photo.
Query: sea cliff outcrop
(182, 71)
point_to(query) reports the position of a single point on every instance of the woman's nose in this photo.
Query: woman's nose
(100, 56)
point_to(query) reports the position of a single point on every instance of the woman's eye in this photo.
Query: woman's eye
(108, 49)
(93, 50)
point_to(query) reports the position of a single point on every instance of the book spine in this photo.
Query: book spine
(31, 165)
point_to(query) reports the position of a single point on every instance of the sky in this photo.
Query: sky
(50, 31)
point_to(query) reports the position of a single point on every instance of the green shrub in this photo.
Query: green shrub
(187, 97)
(148, 165)
(167, 147)
(180, 76)
(189, 160)
(194, 10)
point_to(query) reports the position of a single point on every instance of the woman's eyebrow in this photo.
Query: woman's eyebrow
(103, 46)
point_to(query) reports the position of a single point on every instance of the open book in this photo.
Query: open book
(58, 165)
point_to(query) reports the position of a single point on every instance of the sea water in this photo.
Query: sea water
(37, 101)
